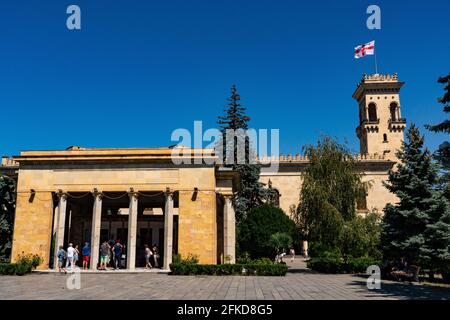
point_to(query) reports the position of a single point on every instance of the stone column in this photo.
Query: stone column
(168, 230)
(132, 229)
(61, 222)
(95, 230)
(229, 232)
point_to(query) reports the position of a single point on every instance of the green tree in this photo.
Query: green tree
(361, 236)
(443, 153)
(7, 209)
(418, 227)
(280, 241)
(444, 126)
(252, 192)
(257, 229)
(331, 185)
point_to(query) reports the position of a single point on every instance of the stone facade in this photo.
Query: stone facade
(90, 172)
(380, 131)
(69, 195)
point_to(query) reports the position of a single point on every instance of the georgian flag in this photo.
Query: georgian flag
(364, 49)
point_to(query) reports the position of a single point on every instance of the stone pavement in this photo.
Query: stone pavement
(300, 283)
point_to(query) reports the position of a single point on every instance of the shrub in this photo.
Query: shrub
(256, 269)
(14, 269)
(359, 265)
(244, 258)
(258, 227)
(333, 262)
(328, 262)
(33, 260)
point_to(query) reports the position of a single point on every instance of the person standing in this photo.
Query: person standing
(292, 252)
(76, 255)
(61, 255)
(117, 250)
(155, 256)
(70, 254)
(104, 255)
(148, 253)
(86, 251)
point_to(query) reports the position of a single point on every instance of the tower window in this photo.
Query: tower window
(385, 138)
(394, 109)
(372, 112)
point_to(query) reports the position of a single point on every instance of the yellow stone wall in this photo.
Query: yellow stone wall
(197, 226)
(33, 226)
(289, 186)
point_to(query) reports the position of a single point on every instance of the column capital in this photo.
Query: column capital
(168, 193)
(132, 193)
(61, 194)
(226, 196)
(96, 193)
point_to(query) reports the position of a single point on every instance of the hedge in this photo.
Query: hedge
(18, 269)
(229, 269)
(335, 264)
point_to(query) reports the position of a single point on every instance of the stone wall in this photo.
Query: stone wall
(33, 226)
(197, 225)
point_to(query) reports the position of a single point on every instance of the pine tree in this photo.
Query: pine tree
(443, 153)
(418, 227)
(7, 209)
(445, 100)
(252, 192)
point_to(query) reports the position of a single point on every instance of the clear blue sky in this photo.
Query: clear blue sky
(140, 69)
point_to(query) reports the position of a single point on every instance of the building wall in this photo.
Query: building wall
(33, 226)
(33, 223)
(198, 226)
(289, 186)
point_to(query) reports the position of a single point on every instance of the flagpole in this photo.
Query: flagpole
(375, 56)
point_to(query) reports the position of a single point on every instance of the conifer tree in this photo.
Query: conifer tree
(443, 153)
(417, 228)
(7, 209)
(252, 192)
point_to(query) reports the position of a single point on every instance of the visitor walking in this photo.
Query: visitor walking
(61, 255)
(117, 250)
(86, 255)
(70, 254)
(155, 256)
(148, 253)
(104, 255)
(76, 255)
(292, 252)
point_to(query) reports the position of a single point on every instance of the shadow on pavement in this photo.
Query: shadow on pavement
(401, 290)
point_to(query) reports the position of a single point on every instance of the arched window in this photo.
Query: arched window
(372, 112)
(393, 108)
(385, 138)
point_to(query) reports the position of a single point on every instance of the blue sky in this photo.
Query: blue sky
(137, 69)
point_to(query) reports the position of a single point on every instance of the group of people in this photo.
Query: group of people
(71, 257)
(111, 255)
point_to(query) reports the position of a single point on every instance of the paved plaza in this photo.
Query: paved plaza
(300, 283)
